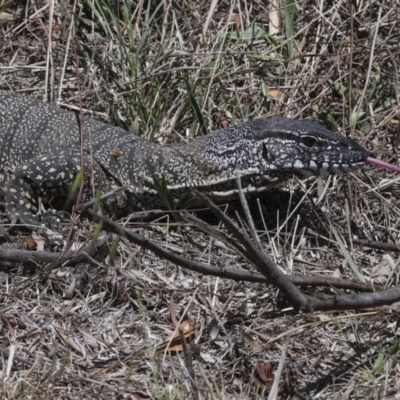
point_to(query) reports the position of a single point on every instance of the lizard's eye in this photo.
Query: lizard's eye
(309, 141)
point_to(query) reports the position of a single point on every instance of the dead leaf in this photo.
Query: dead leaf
(235, 18)
(208, 358)
(29, 243)
(174, 343)
(382, 271)
(275, 93)
(264, 376)
(220, 120)
(39, 241)
(255, 346)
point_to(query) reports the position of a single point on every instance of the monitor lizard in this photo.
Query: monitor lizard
(40, 159)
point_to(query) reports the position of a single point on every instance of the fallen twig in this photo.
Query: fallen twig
(340, 302)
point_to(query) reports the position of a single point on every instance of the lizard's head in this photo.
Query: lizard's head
(280, 147)
(264, 152)
(306, 148)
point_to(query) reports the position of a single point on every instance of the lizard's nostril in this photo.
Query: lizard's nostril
(265, 152)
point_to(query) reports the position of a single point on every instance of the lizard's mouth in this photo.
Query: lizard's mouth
(324, 168)
(365, 160)
(348, 163)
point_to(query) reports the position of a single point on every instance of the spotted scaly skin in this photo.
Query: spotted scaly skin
(40, 159)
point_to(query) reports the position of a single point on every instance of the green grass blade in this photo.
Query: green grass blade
(195, 106)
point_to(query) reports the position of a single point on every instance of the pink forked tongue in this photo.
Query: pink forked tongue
(383, 164)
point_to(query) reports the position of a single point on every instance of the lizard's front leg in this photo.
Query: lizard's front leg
(42, 177)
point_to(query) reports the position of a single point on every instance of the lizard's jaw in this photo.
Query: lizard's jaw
(323, 168)
(336, 169)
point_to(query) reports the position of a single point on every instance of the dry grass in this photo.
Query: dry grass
(157, 68)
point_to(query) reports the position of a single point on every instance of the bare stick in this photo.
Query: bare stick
(249, 218)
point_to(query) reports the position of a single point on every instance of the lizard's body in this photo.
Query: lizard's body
(40, 147)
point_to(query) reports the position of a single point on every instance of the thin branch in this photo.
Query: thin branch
(302, 302)
(45, 257)
(264, 264)
(246, 210)
(377, 245)
(249, 276)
